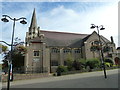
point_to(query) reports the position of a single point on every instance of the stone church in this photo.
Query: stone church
(48, 49)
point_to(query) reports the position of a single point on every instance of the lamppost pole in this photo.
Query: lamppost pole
(100, 44)
(10, 60)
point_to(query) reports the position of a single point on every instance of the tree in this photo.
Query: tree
(18, 54)
(3, 51)
(20, 49)
(69, 62)
(3, 48)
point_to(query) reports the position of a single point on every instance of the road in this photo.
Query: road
(82, 80)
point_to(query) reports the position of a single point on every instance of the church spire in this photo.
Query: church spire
(33, 21)
(33, 29)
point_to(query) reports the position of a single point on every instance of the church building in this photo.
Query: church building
(48, 49)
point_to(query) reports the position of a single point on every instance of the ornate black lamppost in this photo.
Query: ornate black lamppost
(4, 19)
(100, 45)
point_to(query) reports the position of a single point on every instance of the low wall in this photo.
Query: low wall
(25, 76)
(92, 70)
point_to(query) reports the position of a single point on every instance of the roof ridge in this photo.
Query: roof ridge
(63, 32)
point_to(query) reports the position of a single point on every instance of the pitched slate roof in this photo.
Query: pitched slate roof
(105, 39)
(60, 39)
(64, 39)
(80, 43)
(54, 38)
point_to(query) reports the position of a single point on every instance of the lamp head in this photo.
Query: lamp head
(93, 26)
(23, 22)
(5, 19)
(102, 28)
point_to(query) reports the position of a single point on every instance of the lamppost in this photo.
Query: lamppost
(100, 45)
(4, 19)
(5, 43)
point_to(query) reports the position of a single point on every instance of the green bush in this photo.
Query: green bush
(62, 69)
(74, 65)
(77, 65)
(109, 61)
(83, 63)
(107, 64)
(93, 63)
(69, 64)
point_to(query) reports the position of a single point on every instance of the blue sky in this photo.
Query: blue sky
(75, 17)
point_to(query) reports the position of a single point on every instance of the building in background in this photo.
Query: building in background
(48, 49)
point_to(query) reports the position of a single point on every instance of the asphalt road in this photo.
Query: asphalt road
(82, 80)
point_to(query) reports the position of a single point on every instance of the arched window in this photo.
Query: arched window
(36, 53)
(55, 50)
(95, 46)
(95, 43)
(77, 51)
(67, 51)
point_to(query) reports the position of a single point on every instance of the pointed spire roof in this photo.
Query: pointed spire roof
(33, 20)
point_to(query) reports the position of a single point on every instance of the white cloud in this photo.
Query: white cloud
(62, 19)
(68, 20)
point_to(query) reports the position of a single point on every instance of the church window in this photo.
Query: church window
(36, 53)
(96, 43)
(67, 51)
(54, 63)
(95, 46)
(77, 50)
(55, 50)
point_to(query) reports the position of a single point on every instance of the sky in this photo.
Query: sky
(75, 17)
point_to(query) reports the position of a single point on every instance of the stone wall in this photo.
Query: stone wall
(25, 76)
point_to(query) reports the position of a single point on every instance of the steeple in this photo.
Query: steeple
(33, 21)
(34, 31)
